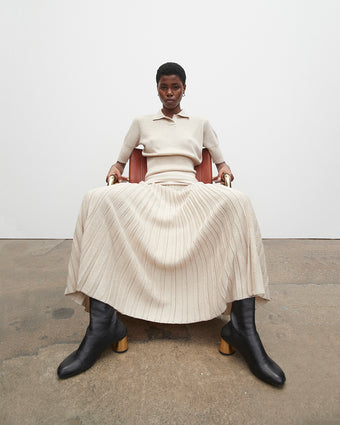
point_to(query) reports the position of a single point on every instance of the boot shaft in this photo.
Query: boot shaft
(101, 314)
(243, 315)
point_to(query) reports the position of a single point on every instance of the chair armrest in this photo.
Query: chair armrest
(112, 180)
(227, 180)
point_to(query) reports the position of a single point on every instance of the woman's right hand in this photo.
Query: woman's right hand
(115, 170)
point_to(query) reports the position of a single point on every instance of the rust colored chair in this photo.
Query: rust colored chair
(138, 168)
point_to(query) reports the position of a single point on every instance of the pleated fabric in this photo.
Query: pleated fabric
(168, 254)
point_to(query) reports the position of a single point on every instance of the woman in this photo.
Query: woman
(170, 249)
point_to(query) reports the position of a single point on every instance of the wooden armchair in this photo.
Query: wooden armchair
(138, 169)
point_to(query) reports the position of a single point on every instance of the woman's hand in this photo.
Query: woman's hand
(116, 170)
(223, 168)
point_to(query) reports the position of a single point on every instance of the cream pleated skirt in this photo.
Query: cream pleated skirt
(168, 254)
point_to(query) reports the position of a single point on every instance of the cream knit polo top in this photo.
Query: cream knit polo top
(173, 146)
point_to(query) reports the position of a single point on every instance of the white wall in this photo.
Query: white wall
(74, 73)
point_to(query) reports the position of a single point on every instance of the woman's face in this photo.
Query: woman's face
(170, 91)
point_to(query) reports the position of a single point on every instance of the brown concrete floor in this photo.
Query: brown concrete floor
(171, 374)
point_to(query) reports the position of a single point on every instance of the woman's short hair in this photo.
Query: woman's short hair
(171, 68)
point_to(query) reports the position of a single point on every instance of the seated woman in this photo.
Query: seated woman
(170, 249)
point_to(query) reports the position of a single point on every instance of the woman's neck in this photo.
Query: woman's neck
(171, 112)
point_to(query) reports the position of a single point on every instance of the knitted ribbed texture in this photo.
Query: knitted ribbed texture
(172, 146)
(169, 254)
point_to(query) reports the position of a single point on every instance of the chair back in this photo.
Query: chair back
(138, 167)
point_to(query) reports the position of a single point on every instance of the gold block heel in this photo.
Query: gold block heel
(121, 346)
(226, 349)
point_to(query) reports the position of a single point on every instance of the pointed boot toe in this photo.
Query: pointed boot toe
(273, 374)
(69, 367)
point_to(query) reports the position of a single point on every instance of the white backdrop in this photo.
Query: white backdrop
(74, 73)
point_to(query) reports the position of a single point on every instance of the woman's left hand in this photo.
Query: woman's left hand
(222, 169)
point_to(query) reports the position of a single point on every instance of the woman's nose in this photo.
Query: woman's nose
(169, 92)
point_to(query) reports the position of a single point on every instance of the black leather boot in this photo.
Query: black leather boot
(241, 334)
(104, 329)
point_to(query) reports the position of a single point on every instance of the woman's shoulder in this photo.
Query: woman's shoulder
(199, 120)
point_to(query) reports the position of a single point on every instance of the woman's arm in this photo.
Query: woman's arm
(210, 141)
(130, 142)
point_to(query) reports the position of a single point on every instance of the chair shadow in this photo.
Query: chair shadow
(142, 331)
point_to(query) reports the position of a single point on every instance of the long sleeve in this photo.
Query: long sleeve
(131, 141)
(210, 141)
